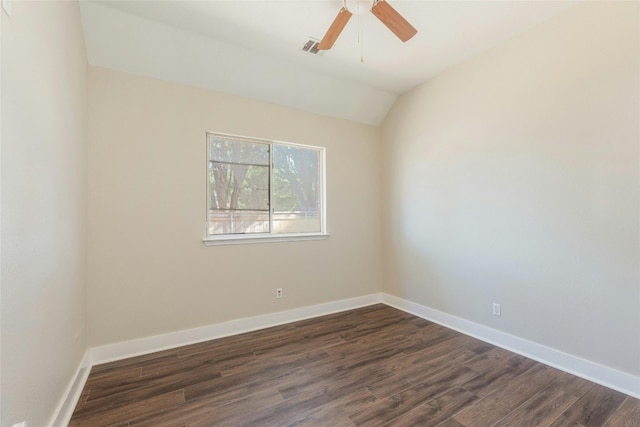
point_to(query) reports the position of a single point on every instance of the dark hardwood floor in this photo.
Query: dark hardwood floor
(373, 366)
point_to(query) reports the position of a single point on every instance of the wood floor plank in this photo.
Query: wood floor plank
(498, 375)
(345, 317)
(435, 410)
(388, 409)
(334, 412)
(410, 375)
(115, 376)
(263, 362)
(299, 340)
(427, 354)
(142, 388)
(356, 358)
(541, 410)
(372, 326)
(179, 417)
(396, 335)
(371, 366)
(100, 418)
(333, 420)
(285, 412)
(245, 341)
(233, 404)
(627, 415)
(337, 383)
(210, 411)
(495, 357)
(84, 395)
(498, 404)
(593, 409)
(450, 423)
(545, 407)
(203, 360)
(571, 384)
(105, 368)
(273, 377)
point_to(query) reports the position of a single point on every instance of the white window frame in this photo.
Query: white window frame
(232, 239)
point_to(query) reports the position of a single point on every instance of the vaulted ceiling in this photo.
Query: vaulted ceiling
(253, 48)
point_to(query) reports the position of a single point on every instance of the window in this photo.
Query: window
(263, 190)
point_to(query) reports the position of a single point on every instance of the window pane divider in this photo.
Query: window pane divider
(271, 209)
(239, 210)
(222, 162)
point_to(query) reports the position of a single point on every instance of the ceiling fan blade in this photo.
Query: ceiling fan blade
(335, 29)
(393, 20)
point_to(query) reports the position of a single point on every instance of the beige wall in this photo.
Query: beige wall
(514, 178)
(43, 194)
(148, 270)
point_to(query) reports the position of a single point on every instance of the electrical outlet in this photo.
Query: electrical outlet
(22, 424)
(278, 292)
(497, 310)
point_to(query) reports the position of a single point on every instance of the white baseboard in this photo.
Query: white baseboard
(122, 350)
(591, 371)
(600, 374)
(69, 400)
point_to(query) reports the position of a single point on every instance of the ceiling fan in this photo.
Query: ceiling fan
(382, 10)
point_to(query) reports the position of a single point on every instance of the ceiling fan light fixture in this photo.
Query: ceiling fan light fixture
(382, 10)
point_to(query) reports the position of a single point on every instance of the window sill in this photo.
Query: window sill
(261, 238)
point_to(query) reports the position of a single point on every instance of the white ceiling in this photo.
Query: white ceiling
(252, 48)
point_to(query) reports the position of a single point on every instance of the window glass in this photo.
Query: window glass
(256, 186)
(296, 186)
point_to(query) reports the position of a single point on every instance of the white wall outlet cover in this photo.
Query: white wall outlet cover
(7, 5)
(24, 423)
(496, 309)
